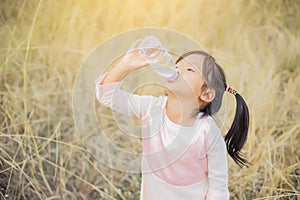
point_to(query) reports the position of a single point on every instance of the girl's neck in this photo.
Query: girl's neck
(182, 110)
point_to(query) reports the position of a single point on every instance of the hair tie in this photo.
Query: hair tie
(231, 91)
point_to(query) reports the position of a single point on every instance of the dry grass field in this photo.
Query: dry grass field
(44, 42)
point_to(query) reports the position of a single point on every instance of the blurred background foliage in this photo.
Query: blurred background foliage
(44, 42)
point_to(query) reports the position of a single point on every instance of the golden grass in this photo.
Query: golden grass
(43, 44)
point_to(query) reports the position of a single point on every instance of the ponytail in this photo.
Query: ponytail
(237, 134)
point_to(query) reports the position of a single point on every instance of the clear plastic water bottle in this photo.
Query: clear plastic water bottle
(160, 60)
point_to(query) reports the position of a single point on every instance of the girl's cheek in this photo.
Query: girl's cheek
(197, 88)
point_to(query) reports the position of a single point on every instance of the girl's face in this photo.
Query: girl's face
(190, 81)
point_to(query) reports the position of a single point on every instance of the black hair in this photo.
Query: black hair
(215, 78)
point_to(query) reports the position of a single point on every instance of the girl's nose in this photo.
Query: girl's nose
(179, 71)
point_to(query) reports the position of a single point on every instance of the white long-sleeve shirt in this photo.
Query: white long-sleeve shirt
(178, 162)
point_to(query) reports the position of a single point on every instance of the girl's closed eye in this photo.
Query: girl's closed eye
(190, 69)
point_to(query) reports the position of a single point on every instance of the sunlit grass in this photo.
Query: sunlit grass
(43, 44)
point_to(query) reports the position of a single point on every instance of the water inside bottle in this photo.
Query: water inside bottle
(153, 54)
(164, 71)
(161, 61)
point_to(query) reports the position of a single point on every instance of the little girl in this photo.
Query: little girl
(184, 153)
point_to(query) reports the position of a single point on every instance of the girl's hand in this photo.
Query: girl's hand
(133, 60)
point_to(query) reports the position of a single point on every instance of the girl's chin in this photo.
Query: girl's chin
(178, 91)
(170, 91)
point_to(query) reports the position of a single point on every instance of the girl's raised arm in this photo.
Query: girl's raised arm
(108, 90)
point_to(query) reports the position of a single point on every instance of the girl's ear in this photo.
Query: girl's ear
(208, 95)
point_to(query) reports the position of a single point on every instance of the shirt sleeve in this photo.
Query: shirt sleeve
(111, 95)
(217, 165)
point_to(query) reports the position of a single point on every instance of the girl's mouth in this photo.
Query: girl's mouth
(173, 78)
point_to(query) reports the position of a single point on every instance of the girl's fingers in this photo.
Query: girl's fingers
(133, 50)
(133, 58)
(135, 45)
